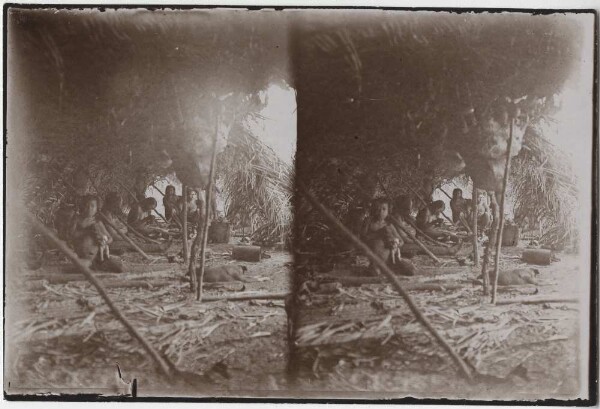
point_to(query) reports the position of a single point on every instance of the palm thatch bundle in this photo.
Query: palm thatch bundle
(545, 188)
(399, 98)
(258, 185)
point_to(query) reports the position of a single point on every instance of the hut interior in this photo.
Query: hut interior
(128, 102)
(414, 105)
(258, 278)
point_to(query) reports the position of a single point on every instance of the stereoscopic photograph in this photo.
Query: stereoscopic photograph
(346, 204)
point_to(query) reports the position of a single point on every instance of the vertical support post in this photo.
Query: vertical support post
(490, 245)
(193, 255)
(208, 206)
(474, 199)
(501, 216)
(184, 229)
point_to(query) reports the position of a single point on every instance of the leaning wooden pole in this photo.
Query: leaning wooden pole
(184, 229)
(474, 197)
(389, 274)
(136, 233)
(125, 236)
(489, 246)
(209, 195)
(165, 366)
(193, 255)
(426, 236)
(398, 223)
(501, 215)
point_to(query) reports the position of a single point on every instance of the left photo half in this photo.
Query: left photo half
(149, 176)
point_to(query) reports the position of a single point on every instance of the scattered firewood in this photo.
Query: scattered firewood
(538, 300)
(246, 296)
(358, 281)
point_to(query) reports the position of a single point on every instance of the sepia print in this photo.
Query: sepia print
(299, 203)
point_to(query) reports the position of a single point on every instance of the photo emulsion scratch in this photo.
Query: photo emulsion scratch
(301, 203)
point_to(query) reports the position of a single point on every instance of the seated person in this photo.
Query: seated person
(90, 239)
(484, 215)
(401, 213)
(71, 202)
(170, 201)
(140, 217)
(355, 217)
(384, 240)
(63, 219)
(468, 210)
(458, 205)
(113, 210)
(195, 207)
(429, 221)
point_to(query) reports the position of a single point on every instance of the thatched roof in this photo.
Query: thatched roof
(137, 79)
(390, 98)
(111, 90)
(394, 85)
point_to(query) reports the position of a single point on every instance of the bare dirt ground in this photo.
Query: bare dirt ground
(64, 340)
(520, 351)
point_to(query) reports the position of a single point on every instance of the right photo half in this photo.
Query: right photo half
(443, 205)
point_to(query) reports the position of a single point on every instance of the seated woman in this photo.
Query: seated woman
(458, 205)
(195, 207)
(402, 218)
(429, 221)
(140, 218)
(90, 239)
(170, 201)
(71, 202)
(484, 215)
(113, 210)
(64, 216)
(401, 213)
(384, 240)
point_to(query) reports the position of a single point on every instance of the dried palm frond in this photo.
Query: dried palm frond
(544, 188)
(257, 184)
